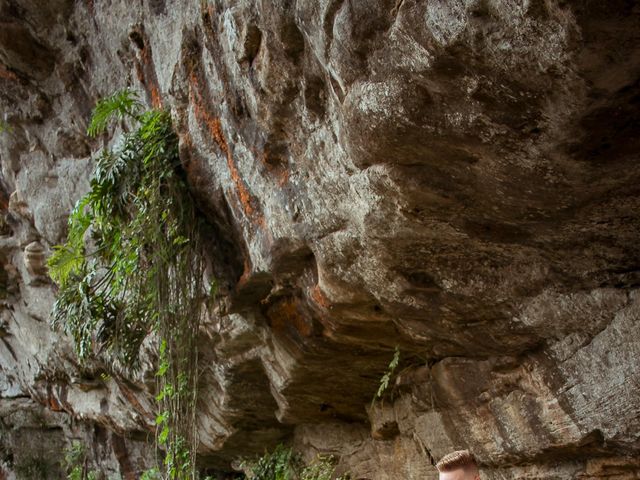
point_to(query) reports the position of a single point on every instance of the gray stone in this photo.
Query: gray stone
(455, 178)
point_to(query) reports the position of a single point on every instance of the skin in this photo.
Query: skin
(460, 474)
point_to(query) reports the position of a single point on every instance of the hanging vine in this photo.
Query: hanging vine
(133, 264)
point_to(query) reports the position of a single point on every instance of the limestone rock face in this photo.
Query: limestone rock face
(459, 179)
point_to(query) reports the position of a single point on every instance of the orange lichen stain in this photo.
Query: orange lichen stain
(150, 75)
(246, 273)
(319, 297)
(194, 171)
(4, 200)
(207, 11)
(287, 313)
(185, 138)
(53, 404)
(140, 73)
(283, 178)
(145, 53)
(7, 74)
(146, 75)
(215, 130)
(156, 101)
(55, 401)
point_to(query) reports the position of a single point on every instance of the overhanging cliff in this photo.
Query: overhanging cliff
(458, 179)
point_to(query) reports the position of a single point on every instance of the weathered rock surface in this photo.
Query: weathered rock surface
(456, 178)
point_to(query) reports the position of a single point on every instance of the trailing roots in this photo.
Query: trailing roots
(133, 265)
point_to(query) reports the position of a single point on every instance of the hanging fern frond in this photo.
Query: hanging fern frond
(69, 259)
(386, 378)
(65, 262)
(133, 264)
(121, 104)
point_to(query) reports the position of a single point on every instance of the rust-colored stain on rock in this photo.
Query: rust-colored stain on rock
(287, 313)
(7, 74)
(214, 127)
(319, 297)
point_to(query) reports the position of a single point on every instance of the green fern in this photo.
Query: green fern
(386, 378)
(69, 259)
(133, 264)
(65, 262)
(151, 474)
(75, 463)
(120, 105)
(139, 214)
(321, 468)
(277, 465)
(284, 464)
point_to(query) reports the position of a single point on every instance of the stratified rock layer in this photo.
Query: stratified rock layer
(456, 178)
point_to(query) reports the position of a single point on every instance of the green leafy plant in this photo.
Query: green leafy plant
(388, 375)
(121, 104)
(277, 465)
(151, 474)
(322, 468)
(283, 464)
(75, 463)
(133, 265)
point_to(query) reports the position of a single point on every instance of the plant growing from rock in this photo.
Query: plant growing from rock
(284, 464)
(321, 468)
(133, 265)
(75, 463)
(388, 375)
(277, 465)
